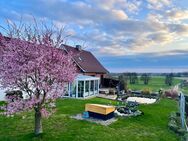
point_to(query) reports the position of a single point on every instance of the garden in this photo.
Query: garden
(151, 126)
(41, 72)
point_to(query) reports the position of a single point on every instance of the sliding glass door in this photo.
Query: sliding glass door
(91, 87)
(96, 86)
(80, 88)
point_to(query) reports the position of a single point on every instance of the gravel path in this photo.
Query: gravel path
(94, 120)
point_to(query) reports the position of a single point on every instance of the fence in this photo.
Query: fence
(182, 111)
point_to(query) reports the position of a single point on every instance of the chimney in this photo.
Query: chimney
(79, 47)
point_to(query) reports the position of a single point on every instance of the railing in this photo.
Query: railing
(182, 111)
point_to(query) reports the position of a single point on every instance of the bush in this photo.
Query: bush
(173, 116)
(171, 94)
(181, 131)
(173, 125)
(178, 114)
(185, 137)
(161, 92)
(146, 92)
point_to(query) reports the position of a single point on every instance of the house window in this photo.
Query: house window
(66, 89)
(87, 86)
(96, 85)
(91, 87)
(80, 58)
(73, 90)
(80, 88)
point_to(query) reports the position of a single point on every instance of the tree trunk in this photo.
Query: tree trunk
(38, 122)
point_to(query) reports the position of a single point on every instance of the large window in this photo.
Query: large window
(87, 86)
(66, 89)
(96, 85)
(91, 87)
(73, 90)
(80, 88)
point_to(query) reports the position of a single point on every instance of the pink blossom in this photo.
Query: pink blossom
(45, 113)
(37, 67)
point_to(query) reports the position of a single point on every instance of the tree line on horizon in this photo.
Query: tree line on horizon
(133, 78)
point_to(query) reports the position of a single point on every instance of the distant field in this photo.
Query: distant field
(154, 84)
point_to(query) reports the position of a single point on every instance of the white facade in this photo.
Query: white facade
(2, 94)
(83, 87)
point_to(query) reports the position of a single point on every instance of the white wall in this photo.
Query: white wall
(2, 95)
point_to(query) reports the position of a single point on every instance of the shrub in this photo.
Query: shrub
(181, 131)
(173, 125)
(173, 116)
(171, 94)
(161, 92)
(185, 137)
(178, 114)
(146, 92)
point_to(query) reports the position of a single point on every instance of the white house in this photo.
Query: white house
(2, 95)
(91, 74)
(82, 87)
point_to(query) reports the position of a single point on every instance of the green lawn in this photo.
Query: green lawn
(185, 90)
(152, 126)
(154, 84)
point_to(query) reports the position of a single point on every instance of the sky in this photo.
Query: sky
(125, 35)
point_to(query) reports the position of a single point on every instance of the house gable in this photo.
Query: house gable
(86, 61)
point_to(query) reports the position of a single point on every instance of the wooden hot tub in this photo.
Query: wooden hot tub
(100, 111)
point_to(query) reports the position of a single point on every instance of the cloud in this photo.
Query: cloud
(173, 15)
(161, 37)
(110, 27)
(83, 13)
(115, 50)
(177, 14)
(131, 6)
(179, 29)
(120, 14)
(158, 4)
(173, 53)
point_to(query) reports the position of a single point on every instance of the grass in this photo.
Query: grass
(185, 90)
(154, 84)
(152, 126)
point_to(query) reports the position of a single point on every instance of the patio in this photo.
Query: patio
(141, 100)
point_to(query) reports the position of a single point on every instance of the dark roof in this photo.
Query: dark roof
(86, 60)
